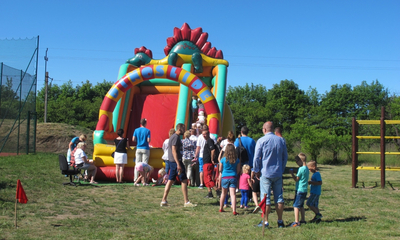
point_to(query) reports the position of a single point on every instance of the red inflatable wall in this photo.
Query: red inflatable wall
(160, 112)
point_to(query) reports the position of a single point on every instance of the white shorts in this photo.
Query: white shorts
(120, 158)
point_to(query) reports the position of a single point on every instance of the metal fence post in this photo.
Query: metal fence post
(383, 148)
(28, 122)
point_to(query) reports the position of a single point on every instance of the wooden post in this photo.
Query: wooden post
(16, 200)
(354, 153)
(383, 149)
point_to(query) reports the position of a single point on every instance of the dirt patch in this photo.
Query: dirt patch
(55, 137)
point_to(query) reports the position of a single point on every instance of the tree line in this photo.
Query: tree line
(314, 121)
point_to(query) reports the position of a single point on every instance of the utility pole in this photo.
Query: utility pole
(46, 81)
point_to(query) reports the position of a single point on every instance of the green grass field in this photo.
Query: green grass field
(110, 211)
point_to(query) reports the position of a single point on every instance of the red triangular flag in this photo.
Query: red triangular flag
(21, 196)
(262, 205)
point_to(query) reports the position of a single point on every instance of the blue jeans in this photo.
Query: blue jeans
(276, 184)
(166, 166)
(299, 200)
(245, 197)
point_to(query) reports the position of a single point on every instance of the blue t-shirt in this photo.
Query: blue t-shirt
(75, 142)
(228, 169)
(250, 145)
(316, 189)
(303, 174)
(142, 134)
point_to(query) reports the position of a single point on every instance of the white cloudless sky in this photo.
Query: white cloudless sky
(314, 43)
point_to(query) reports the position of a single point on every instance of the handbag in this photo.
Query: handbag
(113, 153)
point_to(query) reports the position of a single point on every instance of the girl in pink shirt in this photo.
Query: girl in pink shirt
(245, 185)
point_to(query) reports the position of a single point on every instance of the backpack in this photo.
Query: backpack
(216, 152)
(242, 153)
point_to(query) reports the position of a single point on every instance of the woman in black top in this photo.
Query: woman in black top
(120, 155)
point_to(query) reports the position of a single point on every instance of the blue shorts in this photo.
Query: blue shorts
(276, 184)
(300, 198)
(201, 164)
(173, 171)
(229, 183)
(313, 200)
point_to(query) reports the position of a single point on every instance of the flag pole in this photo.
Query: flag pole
(16, 200)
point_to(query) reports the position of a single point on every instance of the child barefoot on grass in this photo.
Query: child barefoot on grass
(315, 191)
(301, 189)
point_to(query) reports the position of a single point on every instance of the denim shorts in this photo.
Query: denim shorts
(229, 183)
(276, 184)
(313, 200)
(173, 171)
(300, 198)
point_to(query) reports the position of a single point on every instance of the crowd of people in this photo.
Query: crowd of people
(226, 166)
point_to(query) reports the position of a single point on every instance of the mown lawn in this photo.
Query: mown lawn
(110, 211)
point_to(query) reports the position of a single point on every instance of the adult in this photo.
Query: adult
(208, 164)
(120, 155)
(199, 155)
(270, 160)
(176, 167)
(188, 156)
(248, 143)
(278, 132)
(82, 162)
(72, 145)
(141, 135)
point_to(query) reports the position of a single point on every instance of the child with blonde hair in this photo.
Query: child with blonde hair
(245, 185)
(162, 178)
(315, 190)
(301, 180)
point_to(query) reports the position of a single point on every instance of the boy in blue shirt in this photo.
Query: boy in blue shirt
(315, 191)
(301, 189)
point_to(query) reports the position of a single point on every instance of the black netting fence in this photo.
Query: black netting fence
(18, 79)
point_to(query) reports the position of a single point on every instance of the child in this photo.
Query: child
(229, 168)
(145, 171)
(194, 108)
(162, 178)
(201, 118)
(315, 191)
(244, 185)
(165, 149)
(301, 189)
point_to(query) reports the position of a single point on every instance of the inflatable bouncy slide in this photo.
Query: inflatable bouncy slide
(160, 90)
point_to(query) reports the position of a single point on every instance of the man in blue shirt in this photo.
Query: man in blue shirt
(142, 137)
(248, 143)
(270, 160)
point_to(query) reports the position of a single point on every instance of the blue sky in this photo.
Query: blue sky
(313, 43)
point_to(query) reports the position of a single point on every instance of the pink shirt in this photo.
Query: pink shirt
(243, 184)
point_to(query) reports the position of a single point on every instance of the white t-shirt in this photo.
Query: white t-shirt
(79, 154)
(224, 147)
(201, 142)
(165, 149)
(223, 143)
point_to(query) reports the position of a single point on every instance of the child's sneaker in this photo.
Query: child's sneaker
(201, 186)
(303, 222)
(256, 209)
(164, 204)
(295, 224)
(235, 213)
(317, 218)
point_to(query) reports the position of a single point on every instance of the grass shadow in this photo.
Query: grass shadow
(348, 219)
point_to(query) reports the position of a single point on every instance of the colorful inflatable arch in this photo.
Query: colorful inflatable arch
(161, 91)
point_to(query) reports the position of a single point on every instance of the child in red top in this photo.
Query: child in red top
(245, 185)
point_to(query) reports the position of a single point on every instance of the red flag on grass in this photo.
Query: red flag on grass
(263, 205)
(21, 196)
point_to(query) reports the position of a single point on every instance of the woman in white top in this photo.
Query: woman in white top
(82, 161)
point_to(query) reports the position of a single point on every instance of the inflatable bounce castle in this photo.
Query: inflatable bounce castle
(160, 90)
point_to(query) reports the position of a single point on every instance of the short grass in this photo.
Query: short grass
(111, 211)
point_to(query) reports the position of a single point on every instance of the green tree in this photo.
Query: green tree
(248, 107)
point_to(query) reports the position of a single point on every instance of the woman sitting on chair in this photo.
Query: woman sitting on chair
(82, 162)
